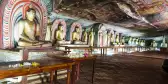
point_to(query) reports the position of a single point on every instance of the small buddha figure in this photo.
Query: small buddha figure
(108, 38)
(84, 35)
(154, 44)
(143, 42)
(123, 40)
(48, 33)
(134, 41)
(29, 31)
(130, 41)
(137, 42)
(163, 44)
(76, 36)
(91, 37)
(117, 40)
(112, 39)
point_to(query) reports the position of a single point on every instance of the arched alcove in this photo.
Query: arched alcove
(14, 11)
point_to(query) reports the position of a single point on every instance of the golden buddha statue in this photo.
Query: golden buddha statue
(76, 36)
(29, 31)
(59, 35)
(48, 33)
(117, 40)
(112, 39)
(84, 35)
(91, 38)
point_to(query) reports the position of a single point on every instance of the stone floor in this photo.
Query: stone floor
(126, 70)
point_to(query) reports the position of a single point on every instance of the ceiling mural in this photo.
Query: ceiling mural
(148, 16)
(49, 5)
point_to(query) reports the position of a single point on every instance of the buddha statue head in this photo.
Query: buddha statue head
(77, 29)
(60, 27)
(30, 14)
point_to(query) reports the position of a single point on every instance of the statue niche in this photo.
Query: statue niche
(29, 31)
(76, 34)
(59, 33)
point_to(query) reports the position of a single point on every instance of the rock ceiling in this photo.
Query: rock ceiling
(149, 16)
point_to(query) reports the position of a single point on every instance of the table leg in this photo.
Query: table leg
(51, 77)
(68, 76)
(24, 80)
(56, 77)
(93, 71)
(73, 74)
(101, 52)
(78, 71)
(25, 53)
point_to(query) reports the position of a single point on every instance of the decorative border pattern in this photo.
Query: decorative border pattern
(14, 10)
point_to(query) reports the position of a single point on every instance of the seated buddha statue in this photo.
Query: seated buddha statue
(59, 35)
(84, 35)
(29, 31)
(76, 36)
(91, 38)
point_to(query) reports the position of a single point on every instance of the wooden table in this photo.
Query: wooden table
(46, 65)
(76, 67)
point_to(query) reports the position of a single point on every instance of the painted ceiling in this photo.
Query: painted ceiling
(148, 16)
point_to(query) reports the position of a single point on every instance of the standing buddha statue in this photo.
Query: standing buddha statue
(84, 35)
(130, 41)
(91, 37)
(117, 40)
(48, 33)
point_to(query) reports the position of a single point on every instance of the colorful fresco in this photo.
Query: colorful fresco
(14, 11)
